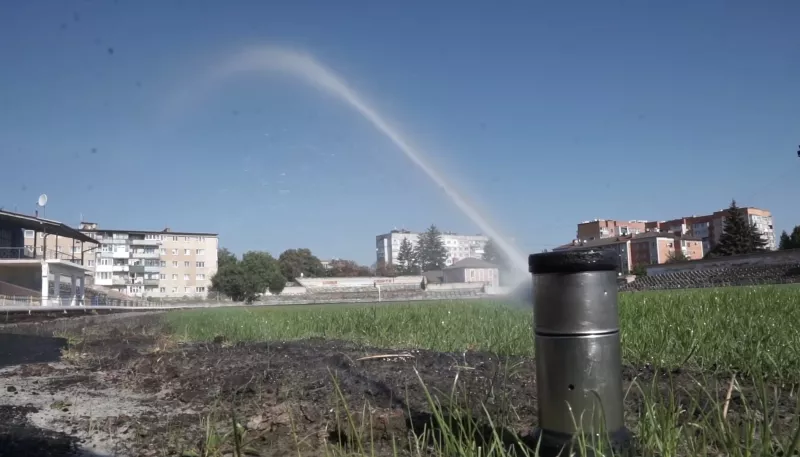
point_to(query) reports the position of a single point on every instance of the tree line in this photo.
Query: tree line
(243, 279)
(258, 271)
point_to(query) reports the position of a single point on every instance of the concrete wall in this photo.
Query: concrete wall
(453, 286)
(14, 290)
(291, 290)
(761, 258)
(27, 276)
(361, 281)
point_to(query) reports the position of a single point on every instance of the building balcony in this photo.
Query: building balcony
(138, 242)
(152, 269)
(120, 254)
(151, 282)
(116, 240)
(118, 281)
(17, 253)
(119, 268)
(145, 255)
(136, 268)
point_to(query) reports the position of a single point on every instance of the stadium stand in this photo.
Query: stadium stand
(734, 275)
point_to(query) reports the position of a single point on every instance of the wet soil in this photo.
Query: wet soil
(123, 388)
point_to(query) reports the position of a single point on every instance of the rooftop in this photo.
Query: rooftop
(48, 226)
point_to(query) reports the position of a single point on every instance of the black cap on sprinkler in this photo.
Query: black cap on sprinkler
(578, 353)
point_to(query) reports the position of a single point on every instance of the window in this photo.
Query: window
(174, 277)
(186, 277)
(200, 264)
(163, 251)
(174, 263)
(105, 261)
(174, 238)
(200, 290)
(200, 276)
(91, 263)
(186, 264)
(200, 251)
(163, 263)
(29, 233)
(105, 275)
(187, 289)
(187, 252)
(174, 289)
(186, 238)
(162, 276)
(174, 252)
(162, 290)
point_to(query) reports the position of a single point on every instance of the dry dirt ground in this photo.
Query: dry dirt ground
(117, 385)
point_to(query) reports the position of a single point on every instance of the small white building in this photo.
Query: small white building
(472, 271)
(387, 246)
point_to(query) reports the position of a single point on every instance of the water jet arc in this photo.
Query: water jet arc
(272, 58)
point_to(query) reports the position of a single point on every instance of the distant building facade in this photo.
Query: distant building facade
(707, 228)
(472, 271)
(459, 247)
(649, 248)
(141, 263)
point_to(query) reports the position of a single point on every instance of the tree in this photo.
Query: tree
(246, 279)
(430, 253)
(790, 241)
(295, 263)
(406, 260)
(739, 236)
(340, 268)
(385, 269)
(229, 281)
(224, 257)
(676, 256)
(639, 270)
(491, 254)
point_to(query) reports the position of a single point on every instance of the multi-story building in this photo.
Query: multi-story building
(459, 247)
(644, 248)
(159, 264)
(707, 228)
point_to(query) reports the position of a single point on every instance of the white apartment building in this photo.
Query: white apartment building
(459, 247)
(158, 264)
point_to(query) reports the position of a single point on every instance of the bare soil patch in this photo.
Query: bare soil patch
(122, 388)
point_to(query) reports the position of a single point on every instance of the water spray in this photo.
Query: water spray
(273, 58)
(578, 351)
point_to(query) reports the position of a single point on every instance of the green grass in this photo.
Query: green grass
(752, 331)
(733, 329)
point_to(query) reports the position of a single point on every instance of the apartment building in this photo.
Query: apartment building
(707, 228)
(459, 247)
(641, 249)
(158, 264)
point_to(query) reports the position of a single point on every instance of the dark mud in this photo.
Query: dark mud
(128, 390)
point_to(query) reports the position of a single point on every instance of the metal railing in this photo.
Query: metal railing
(28, 253)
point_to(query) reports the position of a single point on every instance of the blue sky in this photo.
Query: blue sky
(542, 113)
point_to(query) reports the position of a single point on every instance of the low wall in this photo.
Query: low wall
(359, 281)
(291, 290)
(760, 258)
(454, 286)
(499, 290)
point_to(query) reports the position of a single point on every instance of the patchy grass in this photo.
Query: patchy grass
(748, 329)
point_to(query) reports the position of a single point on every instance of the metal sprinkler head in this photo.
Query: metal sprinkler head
(578, 353)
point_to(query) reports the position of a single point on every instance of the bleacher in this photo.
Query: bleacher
(744, 275)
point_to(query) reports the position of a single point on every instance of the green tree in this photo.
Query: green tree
(341, 268)
(491, 254)
(676, 256)
(739, 236)
(790, 241)
(224, 257)
(229, 281)
(639, 270)
(430, 253)
(276, 281)
(406, 260)
(295, 263)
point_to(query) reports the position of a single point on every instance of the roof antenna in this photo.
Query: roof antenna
(43, 203)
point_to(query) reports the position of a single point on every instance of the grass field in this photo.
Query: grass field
(734, 329)
(745, 341)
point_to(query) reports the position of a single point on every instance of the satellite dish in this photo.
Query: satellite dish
(42, 200)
